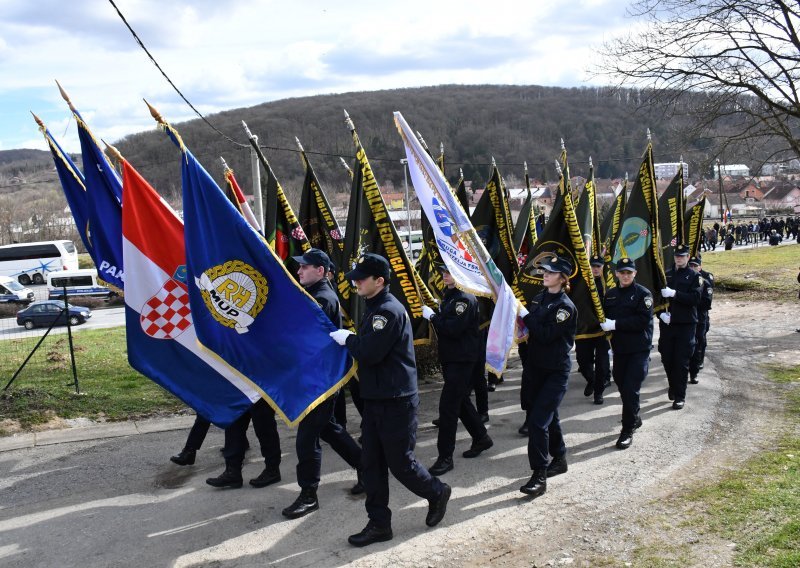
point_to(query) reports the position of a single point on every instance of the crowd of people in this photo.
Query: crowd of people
(769, 229)
(386, 393)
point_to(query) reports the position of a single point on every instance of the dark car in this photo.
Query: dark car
(47, 312)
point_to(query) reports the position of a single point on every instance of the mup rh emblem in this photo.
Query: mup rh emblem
(234, 293)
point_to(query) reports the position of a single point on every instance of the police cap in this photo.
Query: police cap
(681, 250)
(625, 264)
(597, 261)
(698, 260)
(315, 257)
(556, 263)
(370, 264)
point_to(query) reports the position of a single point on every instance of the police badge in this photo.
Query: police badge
(378, 323)
(460, 307)
(648, 302)
(562, 315)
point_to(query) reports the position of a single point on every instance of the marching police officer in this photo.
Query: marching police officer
(591, 353)
(552, 322)
(703, 320)
(629, 315)
(460, 344)
(384, 349)
(678, 323)
(320, 422)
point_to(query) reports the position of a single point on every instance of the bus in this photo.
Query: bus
(31, 262)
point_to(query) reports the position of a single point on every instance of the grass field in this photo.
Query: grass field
(110, 388)
(771, 271)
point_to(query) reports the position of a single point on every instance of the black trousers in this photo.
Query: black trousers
(266, 430)
(699, 353)
(197, 434)
(592, 357)
(455, 404)
(545, 391)
(389, 434)
(340, 412)
(630, 371)
(676, 344)
(480, 386)
(320, 423)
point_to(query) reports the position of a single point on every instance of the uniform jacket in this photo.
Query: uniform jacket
(706, 295)
(325, 296)
(631, 308)
(688, 287)
(552, 322)
(456, 326)
(384, 349)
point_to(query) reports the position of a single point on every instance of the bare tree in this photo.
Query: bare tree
(730, 65)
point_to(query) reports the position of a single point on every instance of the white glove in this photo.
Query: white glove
(667, 292)
(427, 312)
(665, 317)
(608, 325)
(523, 311)
(340, 335)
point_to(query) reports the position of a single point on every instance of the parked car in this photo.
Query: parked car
(49, 311)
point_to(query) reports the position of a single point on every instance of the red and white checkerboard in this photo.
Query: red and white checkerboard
(166, 315)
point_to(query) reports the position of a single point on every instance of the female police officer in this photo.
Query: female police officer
(629, 314)
(552, 322)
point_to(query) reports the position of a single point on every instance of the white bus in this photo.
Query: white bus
(31, 262)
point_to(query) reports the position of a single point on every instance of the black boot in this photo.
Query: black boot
(370, 534)
(186, 457)
(557, 466)
(478, 447)
(437, 508)
(442, 466)
(269, 476)
(231, 477)
(625, 440)
(537, 484)
(303, 505)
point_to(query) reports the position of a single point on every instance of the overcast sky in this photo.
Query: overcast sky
(225, 54)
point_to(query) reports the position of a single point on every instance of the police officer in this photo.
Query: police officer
(629, 315)
(460, 343)
(552, 321)
(384, 349)
(320, 422)
(703, 320)
(678, 324)
(591, 353)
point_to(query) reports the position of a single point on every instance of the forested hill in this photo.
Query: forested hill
(512, 123)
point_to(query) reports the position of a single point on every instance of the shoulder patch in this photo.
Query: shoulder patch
(562, 315)
(461, 307)
(648, 301)
(710, 277)
(378, 323)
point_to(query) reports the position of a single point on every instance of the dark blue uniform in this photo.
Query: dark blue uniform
(703, 324)
(591, 354)
(320, 422)
(676, 340)
(552, 322)
(632, 310)
(384, 349)
(460, 352)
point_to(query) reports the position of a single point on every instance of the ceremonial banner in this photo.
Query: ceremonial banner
(161, 339)
(429, 258)
(525, 229)
(639, 237)
(249, 310)
(377, 234)
(694, 226)
(588, 218)
(609, 229)
(461, 248)
(562, 236)
(671, 205)
(104, 201)
(236, 196)
(72, 182)
(492, 221)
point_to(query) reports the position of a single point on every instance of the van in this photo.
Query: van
(13, 292)
(82, 282)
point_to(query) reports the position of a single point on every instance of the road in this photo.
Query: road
(111, 317)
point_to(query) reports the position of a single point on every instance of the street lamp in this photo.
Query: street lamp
(404, 161)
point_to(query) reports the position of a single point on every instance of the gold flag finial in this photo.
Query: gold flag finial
(65, 96)
(154, 113)
(224, 163)
(649, 137)
(300, 146)
(591, 165)
(38, 121)
(113, 152)
(349, 122)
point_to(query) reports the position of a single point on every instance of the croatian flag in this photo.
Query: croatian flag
(162, 344)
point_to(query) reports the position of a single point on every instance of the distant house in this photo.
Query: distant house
(784, 195)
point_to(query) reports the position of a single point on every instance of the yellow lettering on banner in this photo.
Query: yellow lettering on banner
(233, 292)
(673, 214)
